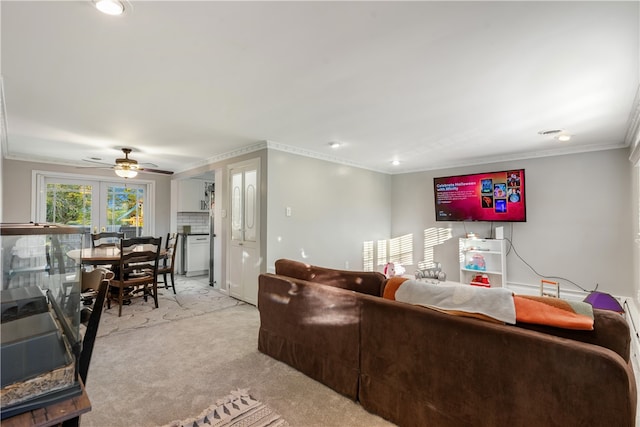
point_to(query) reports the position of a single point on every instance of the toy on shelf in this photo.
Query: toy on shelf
(477, 263)
(481, 280)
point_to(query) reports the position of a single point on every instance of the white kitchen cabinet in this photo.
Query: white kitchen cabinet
(197, 255)
(483, 256)
(191, 195)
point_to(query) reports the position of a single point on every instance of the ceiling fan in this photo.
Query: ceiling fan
(129, 168)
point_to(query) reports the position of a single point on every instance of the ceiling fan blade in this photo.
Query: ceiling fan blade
(95, 167)
(125, 163)
(155, 171)
(97, 162)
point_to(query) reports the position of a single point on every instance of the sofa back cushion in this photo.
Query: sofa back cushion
(367, 282)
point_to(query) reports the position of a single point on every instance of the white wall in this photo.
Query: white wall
(334, 209)
(579, 221)
(580, 214)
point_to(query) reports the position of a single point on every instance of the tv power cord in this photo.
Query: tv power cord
(544, 276)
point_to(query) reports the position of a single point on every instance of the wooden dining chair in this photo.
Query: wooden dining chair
(106, 239)
(169, 260)
(98, 281)
(137, 272)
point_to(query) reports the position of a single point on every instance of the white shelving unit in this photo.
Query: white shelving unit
(483, 256)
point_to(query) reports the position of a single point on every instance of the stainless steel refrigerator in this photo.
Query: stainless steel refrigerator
(210, 196)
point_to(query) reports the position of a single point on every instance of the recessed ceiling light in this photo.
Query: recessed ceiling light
(110, 7)
(395, 162)
(334, 144)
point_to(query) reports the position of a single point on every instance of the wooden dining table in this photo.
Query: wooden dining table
(104, 255)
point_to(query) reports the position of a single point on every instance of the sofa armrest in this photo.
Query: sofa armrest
(610, 330)
(313, 328)
(366, 282)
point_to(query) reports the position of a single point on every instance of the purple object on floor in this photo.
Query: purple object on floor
(603, 301)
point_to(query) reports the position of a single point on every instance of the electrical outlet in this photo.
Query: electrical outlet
(287, 211)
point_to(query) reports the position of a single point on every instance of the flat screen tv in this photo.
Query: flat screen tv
(491, 196)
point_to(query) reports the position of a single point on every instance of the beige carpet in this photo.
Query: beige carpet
(153, 366)
(193, 298)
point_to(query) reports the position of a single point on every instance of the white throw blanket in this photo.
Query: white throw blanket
(496, 303)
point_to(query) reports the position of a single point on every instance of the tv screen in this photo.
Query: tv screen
(491, 196)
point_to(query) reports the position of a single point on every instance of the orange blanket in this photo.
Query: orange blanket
(554, 312)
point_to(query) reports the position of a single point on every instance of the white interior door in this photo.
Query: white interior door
(244, 247)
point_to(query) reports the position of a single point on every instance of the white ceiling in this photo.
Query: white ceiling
(432, 84)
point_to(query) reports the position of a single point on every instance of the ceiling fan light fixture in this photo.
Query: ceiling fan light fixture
(110, 7)
(564, 137)
(126, 171)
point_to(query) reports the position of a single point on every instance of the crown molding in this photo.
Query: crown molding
(271, 145)
(225, 156)
(515, 157)
(320, 156)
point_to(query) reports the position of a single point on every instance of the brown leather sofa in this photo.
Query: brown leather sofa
(419, 367)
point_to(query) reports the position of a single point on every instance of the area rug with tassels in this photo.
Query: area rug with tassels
(238, 409)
